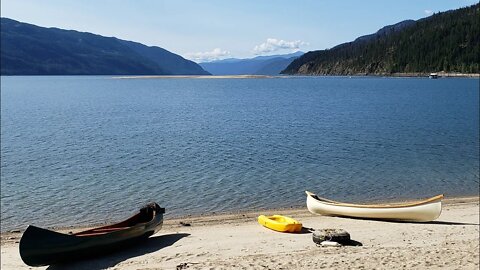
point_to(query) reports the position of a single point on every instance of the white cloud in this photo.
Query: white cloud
(428, 12)
(273, 44)
(215, 54)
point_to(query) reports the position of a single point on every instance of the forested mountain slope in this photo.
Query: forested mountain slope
(447, 41)
(28, 49)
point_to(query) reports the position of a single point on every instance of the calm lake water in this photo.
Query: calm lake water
(79, 150)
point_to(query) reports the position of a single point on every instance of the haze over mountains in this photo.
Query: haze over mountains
(27, 49)
(447, 41)
(260, 65)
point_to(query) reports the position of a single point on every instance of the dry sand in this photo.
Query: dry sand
(238, 242)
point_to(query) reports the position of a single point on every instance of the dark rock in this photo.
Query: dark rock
(336, 235)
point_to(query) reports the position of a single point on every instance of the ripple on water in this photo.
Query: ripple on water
(77, 151)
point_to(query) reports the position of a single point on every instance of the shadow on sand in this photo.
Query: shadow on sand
(305, 230)
(150, 245)
(435, 222)
(439, 223)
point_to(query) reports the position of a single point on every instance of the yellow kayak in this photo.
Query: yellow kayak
(280, 223)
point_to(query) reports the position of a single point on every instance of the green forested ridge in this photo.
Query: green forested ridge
(27, 49)
(447, 41)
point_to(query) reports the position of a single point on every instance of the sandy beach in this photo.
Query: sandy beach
(237, 241)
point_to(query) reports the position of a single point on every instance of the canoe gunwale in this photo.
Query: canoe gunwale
(121, 226)
(382, 206)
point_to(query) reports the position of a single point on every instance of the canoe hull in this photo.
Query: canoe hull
(40, 247)
(417, 213)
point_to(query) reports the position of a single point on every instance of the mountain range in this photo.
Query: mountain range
(28, 49)
(260, 65)
(447, 41)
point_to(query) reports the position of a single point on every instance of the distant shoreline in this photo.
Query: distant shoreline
(440, 75)
(394, 75)
(198, 77)
(246, 76)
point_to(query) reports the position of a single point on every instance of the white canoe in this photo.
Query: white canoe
(422, 211)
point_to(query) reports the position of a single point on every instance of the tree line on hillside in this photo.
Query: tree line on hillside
(28, 49)
(447, 41)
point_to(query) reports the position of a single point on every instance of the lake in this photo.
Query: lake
(86, 149)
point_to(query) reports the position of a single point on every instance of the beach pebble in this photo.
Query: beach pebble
(330, 244)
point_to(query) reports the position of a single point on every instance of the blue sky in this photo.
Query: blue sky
(215, 29)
